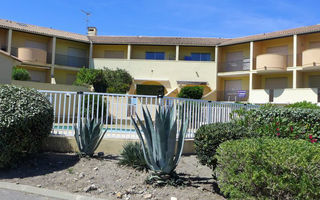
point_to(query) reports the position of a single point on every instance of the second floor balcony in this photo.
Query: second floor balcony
(30, 54)
(273, 62)
(236, 65)
(311, 57)
(71, 61)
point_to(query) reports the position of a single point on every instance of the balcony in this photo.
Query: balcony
(311, 57)
(30, 54)
(237, 65)
(233, 95)
(271, 62)
(285, 96)
(72, 61)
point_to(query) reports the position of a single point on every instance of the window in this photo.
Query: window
(113, 54)
(150, 90)
(155, 55)
(276, 83)
(199, 57)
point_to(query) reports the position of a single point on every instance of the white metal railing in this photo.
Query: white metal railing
(115, 111)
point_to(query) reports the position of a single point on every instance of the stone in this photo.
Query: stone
(96, 168)
(39, 186)
(147, 196)
(81, 175)
(100, 190)
(90, 188)
(100, 154)
(119, 195)
(173, 198)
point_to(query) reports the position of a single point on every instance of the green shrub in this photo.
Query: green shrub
(269, 168)
(85, 77)
(132, 156)
(304, 104)
(106, 80)
(20, 74)
(209, 137)
(191, 92)
(294, 123)
(119, 81)
(26, 118)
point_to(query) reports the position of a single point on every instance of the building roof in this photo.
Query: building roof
(42, 30)
(272, 35)
(148, 40)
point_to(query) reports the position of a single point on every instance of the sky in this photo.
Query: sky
(184, 18)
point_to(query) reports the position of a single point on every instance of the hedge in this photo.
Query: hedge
(26, 118)
(191, 92)
(209, 137)
(268, 168)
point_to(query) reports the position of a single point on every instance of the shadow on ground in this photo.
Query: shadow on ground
(40, 164)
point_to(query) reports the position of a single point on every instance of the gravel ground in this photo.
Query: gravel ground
(104, 178)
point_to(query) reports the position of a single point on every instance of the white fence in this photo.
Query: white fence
(115, 111)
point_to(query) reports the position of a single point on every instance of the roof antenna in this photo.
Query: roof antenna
(87, 16)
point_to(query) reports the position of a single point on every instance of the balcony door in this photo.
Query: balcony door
(231, 90)
(76, 57)
(276, 83)
(314, 81)
(235, 62)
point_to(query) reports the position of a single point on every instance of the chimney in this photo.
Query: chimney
(92, 31)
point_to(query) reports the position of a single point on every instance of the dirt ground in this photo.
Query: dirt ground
(104, 178)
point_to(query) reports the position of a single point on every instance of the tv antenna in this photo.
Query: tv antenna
(87, 16)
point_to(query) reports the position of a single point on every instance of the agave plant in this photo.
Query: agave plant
(159, 147)
(88, 136)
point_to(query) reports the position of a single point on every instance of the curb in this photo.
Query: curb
(45, 192)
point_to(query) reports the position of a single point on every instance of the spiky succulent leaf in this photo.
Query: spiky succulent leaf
(88, 136)
(160, 139)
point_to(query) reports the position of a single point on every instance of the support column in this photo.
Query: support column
(90, 55)
(177, 52)
(251, 69)
(251, 55)
(295, 52)
(216, 57)
(53, 57)
(129, 52)
(9, 41)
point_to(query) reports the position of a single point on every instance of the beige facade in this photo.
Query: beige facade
(280, 67)
(7, 62)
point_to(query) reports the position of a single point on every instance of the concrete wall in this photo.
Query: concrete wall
(48, 86)
(167, 71)
(259, 96)
(108, 146)
(6, 64)
(139, 52)
(186, 51)
(295, 95)
(98, 50)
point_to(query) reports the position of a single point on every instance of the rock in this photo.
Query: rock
(119, 195)
(39, 186)
(100, 190)
(173, 198)
(90, 188)
(100, 154)
(95, 169)
(133, 187)
(75, 179)
(81, 175)
(147, 196)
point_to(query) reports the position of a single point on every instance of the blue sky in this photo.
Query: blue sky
(187, 18)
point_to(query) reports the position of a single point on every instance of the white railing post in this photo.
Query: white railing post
(80, 94)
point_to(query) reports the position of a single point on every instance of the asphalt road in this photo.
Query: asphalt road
(16, 195)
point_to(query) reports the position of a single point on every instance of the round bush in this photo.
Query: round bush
(209, 137)
(26, 118)
(191, 92)
(269, 168)
(20, 74)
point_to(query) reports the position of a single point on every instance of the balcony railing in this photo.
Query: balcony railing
(272, 61)
(310, 57)
(236, 65)
(72, 61)
(233, 95)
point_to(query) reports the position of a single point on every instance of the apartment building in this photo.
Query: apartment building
(279, 67)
